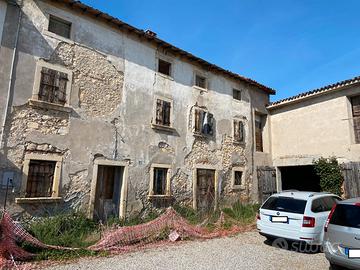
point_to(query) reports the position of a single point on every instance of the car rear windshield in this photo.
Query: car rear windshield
(323, 204)
(285, 204)
(346, 215)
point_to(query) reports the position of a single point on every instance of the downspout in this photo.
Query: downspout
(11, 76)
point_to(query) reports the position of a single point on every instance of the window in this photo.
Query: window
(53, 86)
(237, 178)
(236, 94)
(164, 67)
(239, 131)
(59, 26)
(163, 112)
(159, 180)
(259, 133)
(323, 204)
(346, 215)
(355, 104)
(40, 178)
(200, 81)
(237, 181)
(204, 122)
(285, 204)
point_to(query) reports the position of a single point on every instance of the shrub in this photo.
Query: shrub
(244, 213)
(329, 171)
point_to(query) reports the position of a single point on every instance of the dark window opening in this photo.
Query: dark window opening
(40, 178)
(355, 104)
(163, 110)
(164, 67)
(285, 204)
(200, 81)
(204, 122)
(259, 133)
(236, 94)
(160, 175)
(59, 27)
(238, 178)
(53, 86)
(239, 131)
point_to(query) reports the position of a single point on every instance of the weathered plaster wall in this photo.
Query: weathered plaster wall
(113, 91)
(3, 7)
(320, 126)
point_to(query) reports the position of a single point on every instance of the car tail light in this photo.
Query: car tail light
(258, 217)
(308, 222)
(329, 217)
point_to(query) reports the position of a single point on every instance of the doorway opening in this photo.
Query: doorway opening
(205, 190)
(108, 192)
(302, 178)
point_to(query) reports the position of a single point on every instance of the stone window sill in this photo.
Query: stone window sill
(200, 88)
(159, 197)
(202, 135)
(58, 37)
(49, 106)
(238, 187)
(38, 200)
(163, 128)
(165, 76)
(238, 142)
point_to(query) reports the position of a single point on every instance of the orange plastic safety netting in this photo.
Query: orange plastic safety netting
(169, 225)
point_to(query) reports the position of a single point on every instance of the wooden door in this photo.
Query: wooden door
(266, 181)
(205, 190)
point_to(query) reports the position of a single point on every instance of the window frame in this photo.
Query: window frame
(243, 121)
(203, 75)
(354, 120)
(233, 172)
(56, 181)
(151, 193)
(54, 35)
(167, 60)
(36, 87)
(201, 134)
(241, 94)
(259, 116)
(154, 125)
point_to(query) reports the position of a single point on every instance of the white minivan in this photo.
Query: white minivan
(296, 215)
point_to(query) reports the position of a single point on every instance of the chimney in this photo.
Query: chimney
(150, 33)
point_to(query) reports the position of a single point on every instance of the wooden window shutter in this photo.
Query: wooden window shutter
(355, 103)
(159, 112)
(53, 86)
(198, 120)
(210, 120)
(241, 131)
(166, 112)
(236, 130)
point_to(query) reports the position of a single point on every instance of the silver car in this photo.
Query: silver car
(342, 235)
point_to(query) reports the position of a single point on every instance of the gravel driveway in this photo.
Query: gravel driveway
(245, 251)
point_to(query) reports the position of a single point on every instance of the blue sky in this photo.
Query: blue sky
(290, 45)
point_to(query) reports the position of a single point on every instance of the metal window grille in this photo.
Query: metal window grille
(53, 86)
(40, 178)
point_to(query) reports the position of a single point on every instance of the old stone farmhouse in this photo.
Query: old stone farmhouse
(99, 116)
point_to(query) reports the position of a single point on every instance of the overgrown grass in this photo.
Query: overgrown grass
(243, 213)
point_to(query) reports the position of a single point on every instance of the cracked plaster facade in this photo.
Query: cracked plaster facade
(112, 95)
